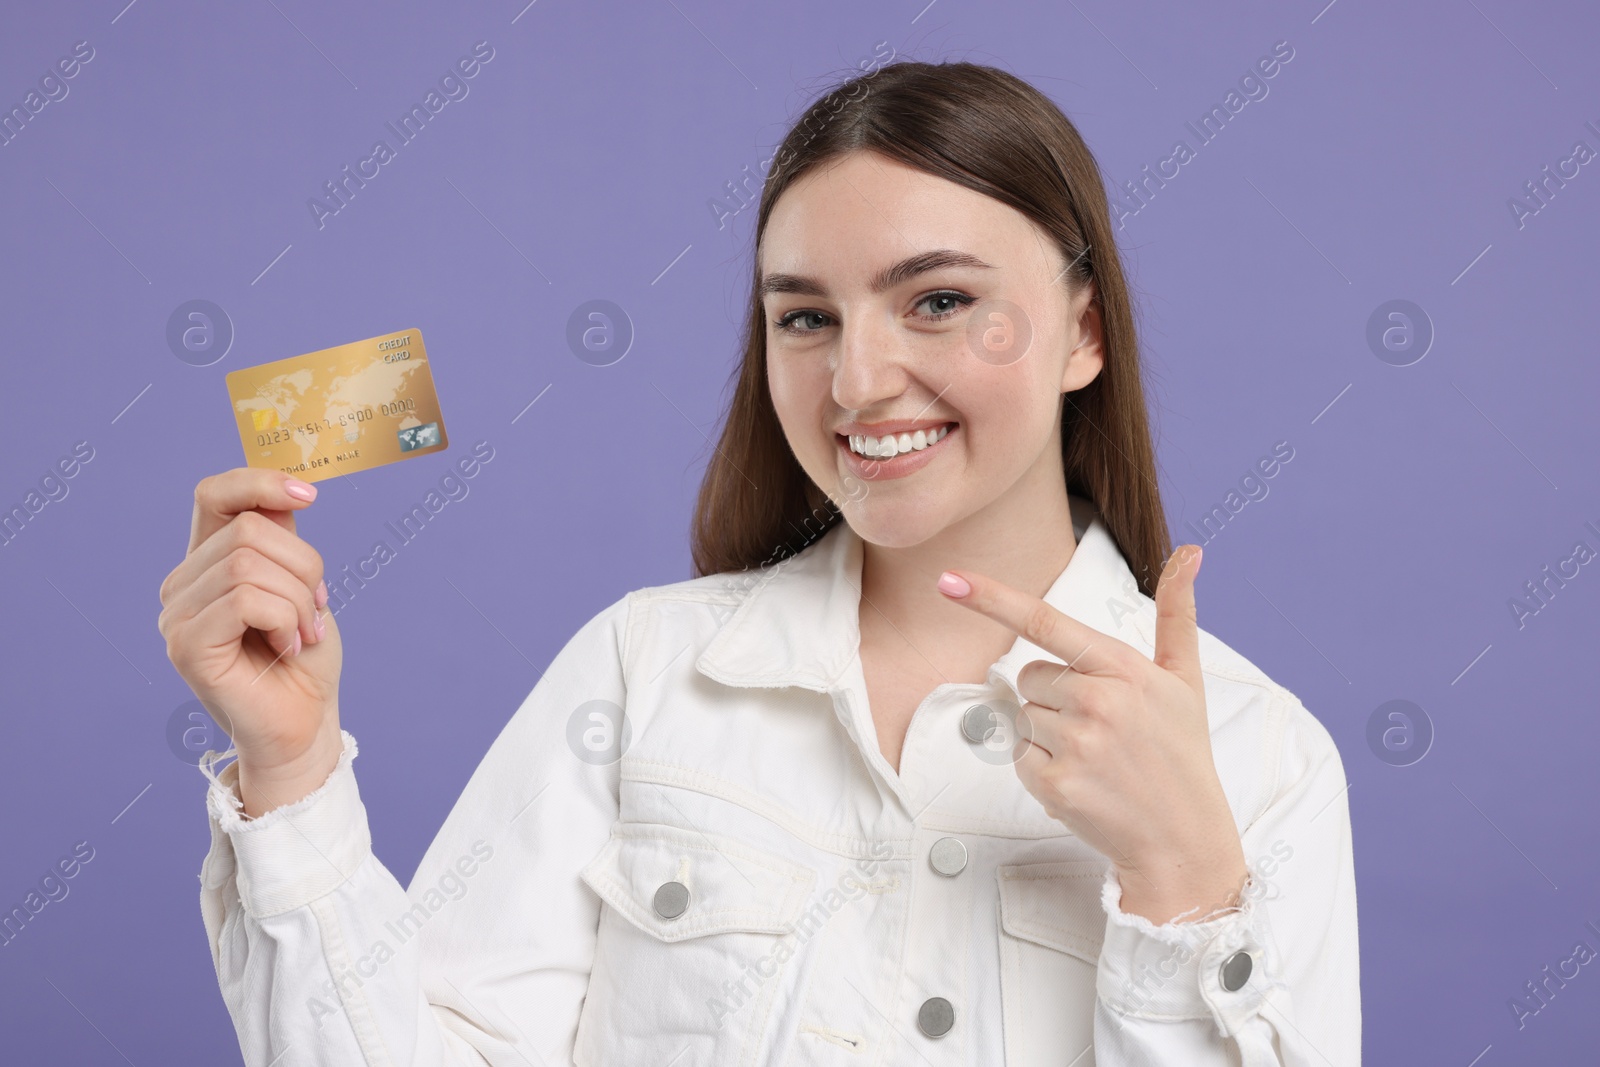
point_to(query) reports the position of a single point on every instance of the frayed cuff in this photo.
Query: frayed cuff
(1181, 969)
(1111, 901)
(227, 807)
(292, 854)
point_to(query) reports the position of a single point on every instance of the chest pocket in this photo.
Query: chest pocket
(693, 947)
(1051, 928)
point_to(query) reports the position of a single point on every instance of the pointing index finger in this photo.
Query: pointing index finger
(1083, 648)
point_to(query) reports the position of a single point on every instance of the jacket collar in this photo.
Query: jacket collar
(799, 622)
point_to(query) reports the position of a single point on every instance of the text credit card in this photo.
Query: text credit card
(339, 410)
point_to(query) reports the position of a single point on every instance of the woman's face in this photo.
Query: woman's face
(972, 334)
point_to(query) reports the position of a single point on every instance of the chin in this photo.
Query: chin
(894, 526)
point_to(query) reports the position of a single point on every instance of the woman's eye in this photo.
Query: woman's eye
(948, 303)
(941, 306)
(787, 322)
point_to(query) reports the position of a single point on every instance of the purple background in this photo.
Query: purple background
(581, 166)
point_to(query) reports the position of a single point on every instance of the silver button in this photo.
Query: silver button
(948, 856)
(936, 1017)
(672, 900)
(1236, 971)
(978, 723)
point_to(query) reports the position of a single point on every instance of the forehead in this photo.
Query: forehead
(846, 219)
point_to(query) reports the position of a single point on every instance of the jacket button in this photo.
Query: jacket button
(1236, 971)
(948, 856)
(936, 1017)
(672, 900)
(978, 723)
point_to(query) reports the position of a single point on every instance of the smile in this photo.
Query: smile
(893, 455)
(891, 445)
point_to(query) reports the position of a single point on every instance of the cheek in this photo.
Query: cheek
(782, 387)
(799, 392)
(1008, 413)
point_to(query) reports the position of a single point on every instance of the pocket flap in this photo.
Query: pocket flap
(1056, 905)
(731, 885)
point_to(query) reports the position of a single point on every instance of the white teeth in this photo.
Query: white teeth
(890, 445)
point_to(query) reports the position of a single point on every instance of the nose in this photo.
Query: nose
(869, 364)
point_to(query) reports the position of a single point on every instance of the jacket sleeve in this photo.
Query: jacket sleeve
(323, 959)
(1162, 997)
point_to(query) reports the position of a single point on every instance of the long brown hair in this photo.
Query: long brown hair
(990, 131)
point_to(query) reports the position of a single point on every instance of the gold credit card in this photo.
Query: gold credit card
(342, 409)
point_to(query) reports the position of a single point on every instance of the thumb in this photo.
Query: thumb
(1177, 633)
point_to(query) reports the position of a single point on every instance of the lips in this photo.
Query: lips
(891, 426)
(902, 463)
(889, 445)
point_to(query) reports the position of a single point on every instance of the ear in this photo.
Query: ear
(1086, 360)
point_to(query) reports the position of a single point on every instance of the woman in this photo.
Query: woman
(930, 763)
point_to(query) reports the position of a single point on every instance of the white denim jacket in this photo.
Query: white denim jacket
(750, 883)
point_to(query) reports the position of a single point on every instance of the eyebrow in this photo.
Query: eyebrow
(885, 279)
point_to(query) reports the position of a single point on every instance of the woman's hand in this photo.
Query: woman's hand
(247, 626)
(1118, 747)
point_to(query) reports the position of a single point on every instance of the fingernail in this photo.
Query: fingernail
(296, 488)
(295, 648)
(316, 623)
(953, 584)
(322, 593)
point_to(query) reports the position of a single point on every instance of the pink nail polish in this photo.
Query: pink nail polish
(954, 585)
(294, 649)
(316, 623)
(322, 593)
(296, 488)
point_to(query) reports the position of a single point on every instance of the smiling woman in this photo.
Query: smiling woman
(861, 187)
(930, 751)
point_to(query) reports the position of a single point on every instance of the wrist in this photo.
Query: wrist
(1194, 886)
(265, 785)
